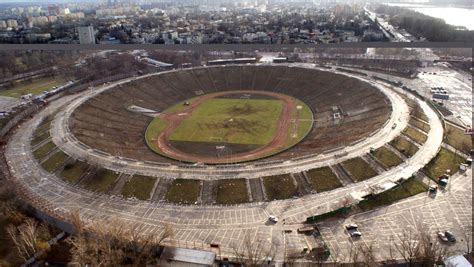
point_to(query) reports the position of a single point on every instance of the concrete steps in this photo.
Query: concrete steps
(341, 174)
(373, 163)
(302, 185)
(161, 189)
(208, 190)
(256, 189)
(120, 183)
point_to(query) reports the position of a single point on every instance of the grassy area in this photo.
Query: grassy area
(45, 126)
(387, 157)
(40, 137)
(323, 179)
(359, 169)
(445, 160)
(101, 181)
(54, 161)
(73, 171)
(238, 121)
(415, 135)
(232, 191)
(409, 188)
(184, 191)
(303, 117)
(43, 150)
(279, 187)
(180, 106)
(405, 147)
(35, 87)
(139, 186)
(425, 127)
(417, 112)
(457, 139)
(153, 130)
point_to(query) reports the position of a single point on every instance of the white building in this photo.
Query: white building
(86, 35)
(3, 24)
(12, 23)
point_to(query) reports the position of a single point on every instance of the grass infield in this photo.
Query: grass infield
(243, 123)
(237, 121)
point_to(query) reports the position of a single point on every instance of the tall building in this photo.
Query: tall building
(12, 23)
(86, 35)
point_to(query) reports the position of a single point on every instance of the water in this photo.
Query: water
(452, 15)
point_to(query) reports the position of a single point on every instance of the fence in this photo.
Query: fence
(336, 212)
(17, 118)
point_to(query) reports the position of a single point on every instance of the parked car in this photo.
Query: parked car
(433, 189)
(442, 236)
(356, 234)
(450, 236)
(273, 219)
(351, 226)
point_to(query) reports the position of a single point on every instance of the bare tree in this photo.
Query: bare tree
(467, 232)
(409, 247)
(419, 248)
(252, 253)
(114, 243)
(368, 255)
(29, 238)
(354, 255)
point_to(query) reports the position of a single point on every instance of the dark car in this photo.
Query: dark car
(450, 236)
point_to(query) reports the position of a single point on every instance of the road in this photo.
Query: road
(223, 225)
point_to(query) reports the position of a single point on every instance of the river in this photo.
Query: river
(452, 15)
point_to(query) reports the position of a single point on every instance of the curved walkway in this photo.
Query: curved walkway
(223, 225)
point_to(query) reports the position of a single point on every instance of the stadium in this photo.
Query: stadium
(215, 149)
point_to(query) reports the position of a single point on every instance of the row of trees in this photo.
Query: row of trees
(420, 25)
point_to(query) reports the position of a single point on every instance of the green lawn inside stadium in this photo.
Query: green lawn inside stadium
(236, 121)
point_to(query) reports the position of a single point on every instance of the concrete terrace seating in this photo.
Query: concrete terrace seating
(105, 123)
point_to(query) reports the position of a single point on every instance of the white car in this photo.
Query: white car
(356, 234)
(273, 219)
(442, 236)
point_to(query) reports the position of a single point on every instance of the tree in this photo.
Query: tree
(467, 233)
(418, 247)
(29, 238)
(114, 243)
(252, 253)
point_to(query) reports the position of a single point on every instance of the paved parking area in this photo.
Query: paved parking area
(450, 210)
(457, 84)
